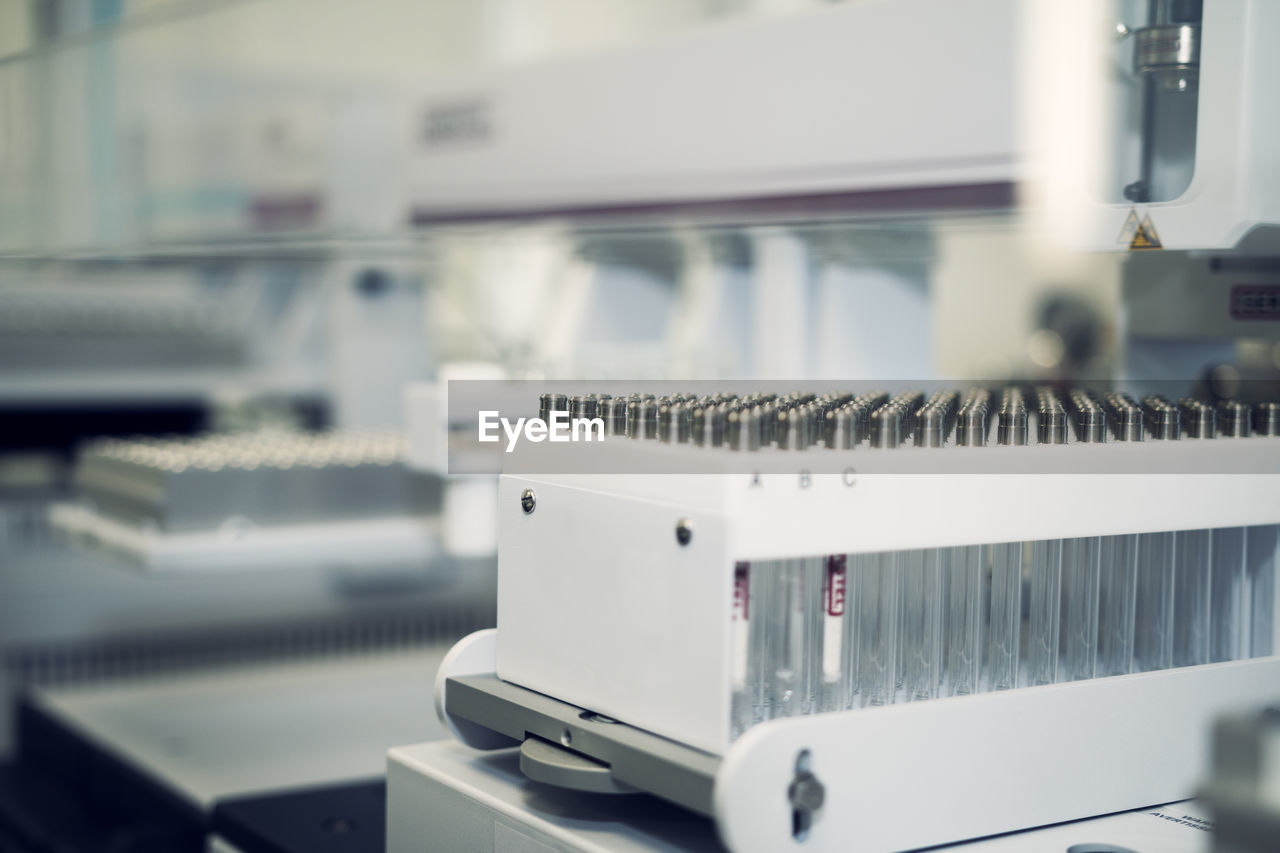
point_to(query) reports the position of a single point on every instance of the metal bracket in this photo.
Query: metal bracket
(635, 760)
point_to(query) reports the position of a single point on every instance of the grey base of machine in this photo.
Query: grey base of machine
(570, 747)
(446, 796)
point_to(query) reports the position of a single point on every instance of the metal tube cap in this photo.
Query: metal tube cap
(1266, 419)
(1234, 419)
(1198, 417)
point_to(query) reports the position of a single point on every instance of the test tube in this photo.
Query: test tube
(1081, 575)
(1119, 557)
(1082, 564)
(878, 603)
(922, 609)
(1006, 615)
(1116, 601)
(1043, 612)
(1191, 596)
(1221, 619)
(1262, 545)
(1006, 564)
(763, 628)
(1045, 601)
(964, 621)
(1157, 554)
(850, 632)
(834, 605)
(810, 587)
(741, 706)
(1153, 616)
(786, 581)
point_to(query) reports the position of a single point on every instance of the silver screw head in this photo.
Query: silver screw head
(528, 501)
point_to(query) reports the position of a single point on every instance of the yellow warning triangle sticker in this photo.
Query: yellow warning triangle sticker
(1145, 237)
(1130, 229)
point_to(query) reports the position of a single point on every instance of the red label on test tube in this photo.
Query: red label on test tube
(835, 585)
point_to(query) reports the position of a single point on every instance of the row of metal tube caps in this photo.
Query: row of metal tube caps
(846, 420)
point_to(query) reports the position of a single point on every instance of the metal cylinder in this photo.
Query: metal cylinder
(971, 427)
(642, 419)
(585, 406)
(931, 426)
(1266, 419)
(1234, 419)
(797, 429)
(1091, 426)
(1198, 418)
(1011, 426)
(1129, 425)
(1051, 426)
(1164, 422)
(615, 416)
(742, 430)
(549, 403)
(886, 426)
(1171, 54)
(840, 432)
(681, 424)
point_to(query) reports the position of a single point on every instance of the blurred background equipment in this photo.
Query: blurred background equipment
(1241, 792)
(246, 245)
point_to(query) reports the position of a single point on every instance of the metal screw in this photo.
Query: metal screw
(805, 792)
(528, 500)
(684, 531)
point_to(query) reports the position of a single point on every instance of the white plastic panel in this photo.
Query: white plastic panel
(909, 776)
(602, 608)
(870, 95)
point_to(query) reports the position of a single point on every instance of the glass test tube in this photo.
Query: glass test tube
(763, 628)
(1006, 615)
(851, 635)
(1119, 567)
(922, 605)
(810, 585)
(1116, 598)
(1153, 608)
(834, 603)
(1225, 577)
(1153, 618)
(1263, 551)
(741, 711)
(964, 621)
(1191, 594)
(1043, 612)
(787, 582)
(878, 588)
(1081, 576)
